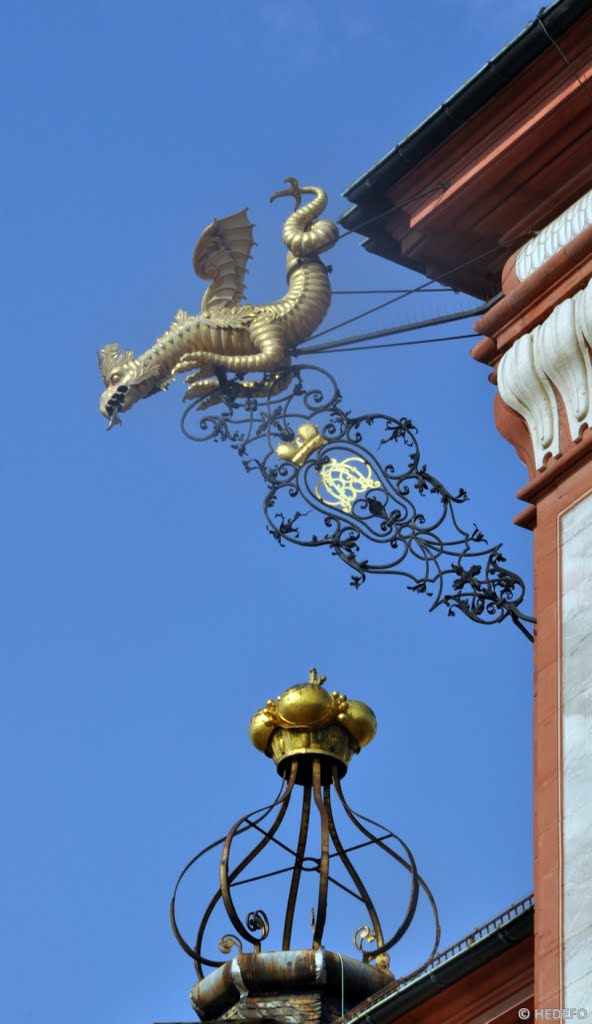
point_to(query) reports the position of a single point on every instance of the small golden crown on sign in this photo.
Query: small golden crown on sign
(307, 440)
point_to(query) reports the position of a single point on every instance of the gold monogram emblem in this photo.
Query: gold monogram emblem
(344, 482)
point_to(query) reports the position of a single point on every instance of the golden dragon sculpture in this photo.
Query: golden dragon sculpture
(225, 335)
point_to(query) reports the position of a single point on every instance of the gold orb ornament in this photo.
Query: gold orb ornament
(307, 704)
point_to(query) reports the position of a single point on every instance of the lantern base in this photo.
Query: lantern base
(304, 986)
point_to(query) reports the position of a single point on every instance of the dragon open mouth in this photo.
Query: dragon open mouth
(114, 406)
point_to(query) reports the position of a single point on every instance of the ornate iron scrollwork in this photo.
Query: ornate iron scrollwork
(327, 486)
(332, 852)
(311, 735)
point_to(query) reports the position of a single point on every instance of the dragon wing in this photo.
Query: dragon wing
(221, 256)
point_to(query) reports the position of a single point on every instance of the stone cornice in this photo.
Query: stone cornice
(539, 345)
(526, 303)
(551, 239)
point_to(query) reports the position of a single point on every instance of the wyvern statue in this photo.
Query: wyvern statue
(227, 336)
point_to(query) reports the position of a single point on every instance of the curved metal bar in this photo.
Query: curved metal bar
(425, 889)
(297, 870)
(410, 866)
(353, 874)
(183, 944)
(321, 913)
(226, 878)
(194, 951)
(422, 883)
(263, 812)
(196, 955)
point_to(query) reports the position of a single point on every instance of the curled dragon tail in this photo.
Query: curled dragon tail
(303, 234)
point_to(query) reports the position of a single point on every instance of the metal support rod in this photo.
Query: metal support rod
(321, 913)
(297, 870)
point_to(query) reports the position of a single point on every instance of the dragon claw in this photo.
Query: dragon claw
(195, 378)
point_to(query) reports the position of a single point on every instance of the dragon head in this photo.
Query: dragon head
(126, 380)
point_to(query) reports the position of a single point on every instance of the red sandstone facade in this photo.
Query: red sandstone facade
(505, 210)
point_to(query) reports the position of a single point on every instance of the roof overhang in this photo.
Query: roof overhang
(503, 156)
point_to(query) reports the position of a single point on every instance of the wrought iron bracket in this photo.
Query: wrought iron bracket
(328, 485)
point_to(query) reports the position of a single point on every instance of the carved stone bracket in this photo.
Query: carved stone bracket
(546, 376)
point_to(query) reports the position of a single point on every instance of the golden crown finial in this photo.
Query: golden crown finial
(308, 720)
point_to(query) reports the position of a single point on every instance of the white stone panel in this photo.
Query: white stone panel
(576, 616)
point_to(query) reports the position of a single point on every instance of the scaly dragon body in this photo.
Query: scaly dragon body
(227, 335)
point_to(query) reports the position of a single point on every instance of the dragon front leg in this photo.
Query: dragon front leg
(267, 340)
(244, 390)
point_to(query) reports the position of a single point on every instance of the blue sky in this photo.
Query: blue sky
(147, 612)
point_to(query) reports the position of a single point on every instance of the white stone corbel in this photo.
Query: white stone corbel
(552, 360)
(530, 395)
(558, 355)
(583, 328)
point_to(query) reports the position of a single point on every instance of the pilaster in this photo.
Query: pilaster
(539, 345)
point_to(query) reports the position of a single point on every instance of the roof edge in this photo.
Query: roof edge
(517, 923)
(464, 103)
